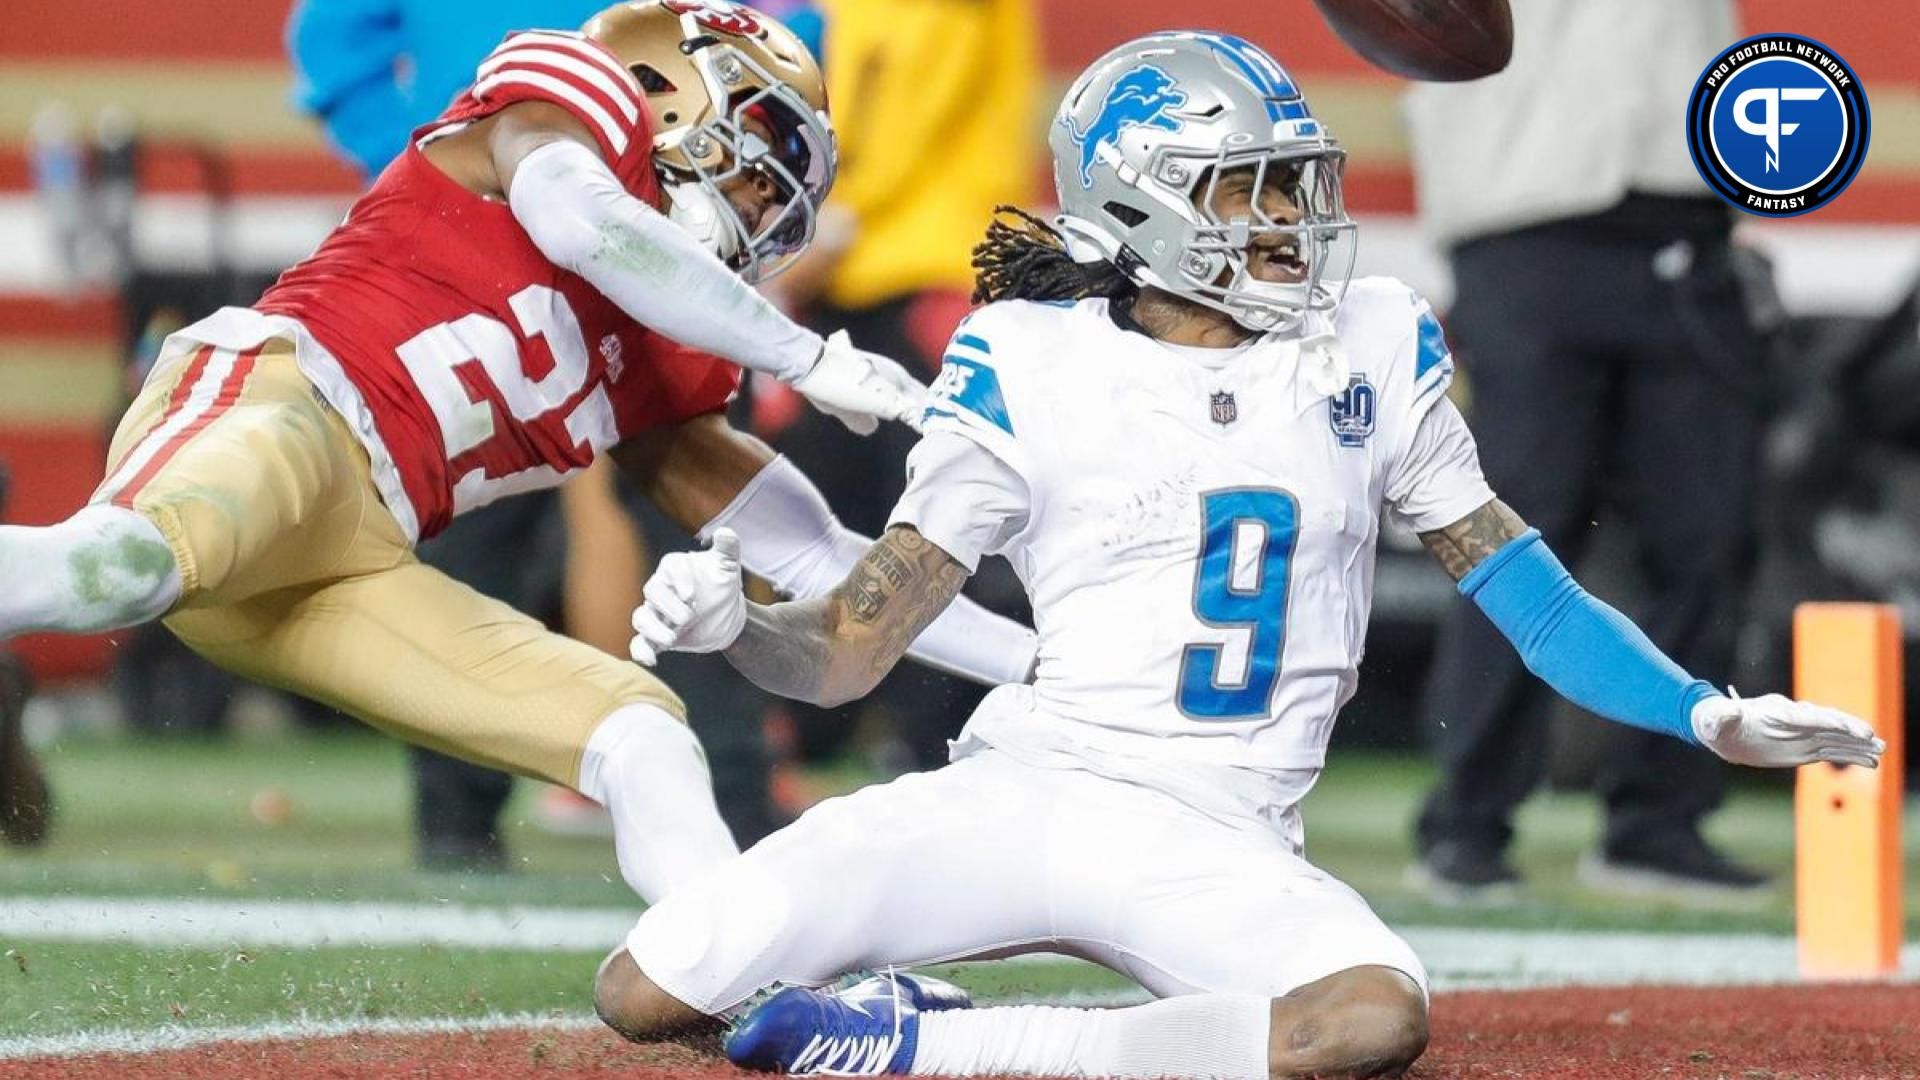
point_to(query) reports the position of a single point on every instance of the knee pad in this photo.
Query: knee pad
(714, 943)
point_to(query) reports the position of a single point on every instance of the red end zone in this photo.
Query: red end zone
(1570, 1034)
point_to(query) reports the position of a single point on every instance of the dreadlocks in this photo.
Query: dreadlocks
(1024, 258)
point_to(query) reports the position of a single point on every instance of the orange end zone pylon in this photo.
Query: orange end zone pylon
(1847, 820)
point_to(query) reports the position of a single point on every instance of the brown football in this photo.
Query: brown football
(1435, 40)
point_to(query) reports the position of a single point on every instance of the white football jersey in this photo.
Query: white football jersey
(1199, 525)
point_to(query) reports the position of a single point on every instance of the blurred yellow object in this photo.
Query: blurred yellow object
(226, 874)
(934, 105)
(1847, 819)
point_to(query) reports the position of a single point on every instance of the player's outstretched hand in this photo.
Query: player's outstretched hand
(1778, 732)
(860, 389)
(694, 602)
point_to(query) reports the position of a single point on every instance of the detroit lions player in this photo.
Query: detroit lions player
(1181, 427)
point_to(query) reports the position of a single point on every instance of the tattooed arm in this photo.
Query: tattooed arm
(836, 648)
(1469, 542)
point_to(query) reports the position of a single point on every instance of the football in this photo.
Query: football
(1434, 40)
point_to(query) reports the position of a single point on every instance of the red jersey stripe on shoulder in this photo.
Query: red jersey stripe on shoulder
(567, 65)
(569, 95)
(582, 46)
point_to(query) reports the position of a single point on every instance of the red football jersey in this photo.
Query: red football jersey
(487, 369)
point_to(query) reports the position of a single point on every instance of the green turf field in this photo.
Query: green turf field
(172, 819)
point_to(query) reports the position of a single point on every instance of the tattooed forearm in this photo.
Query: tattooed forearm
(1468, 542)
(903, 584)
(836, 648)
(784, 647)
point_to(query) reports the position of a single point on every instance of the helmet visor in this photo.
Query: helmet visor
(772, 134)
(797, 156)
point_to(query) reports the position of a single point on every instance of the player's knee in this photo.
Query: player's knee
(101, 569)
(1365, 1022)
(631, 1004)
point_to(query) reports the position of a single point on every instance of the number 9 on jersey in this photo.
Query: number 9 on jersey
(1240, 583)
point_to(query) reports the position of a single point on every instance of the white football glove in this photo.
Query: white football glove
(1778, 732)
(694, 602)
(860, 389)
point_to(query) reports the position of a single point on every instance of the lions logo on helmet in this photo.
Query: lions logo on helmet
(1140, 98)
(1145, 142)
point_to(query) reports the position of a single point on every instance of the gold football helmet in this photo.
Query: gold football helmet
(707, 67)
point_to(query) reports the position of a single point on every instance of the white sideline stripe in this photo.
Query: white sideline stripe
(305, 924)
(1456, 957)
(129, 1041)
(1465, 958)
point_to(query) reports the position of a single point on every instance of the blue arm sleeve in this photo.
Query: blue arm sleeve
(344, 52)
(1593, 655)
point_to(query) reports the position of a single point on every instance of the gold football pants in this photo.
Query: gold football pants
(295, 574)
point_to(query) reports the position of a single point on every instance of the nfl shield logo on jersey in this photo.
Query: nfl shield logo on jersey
(1225, 411)
(1352, 412)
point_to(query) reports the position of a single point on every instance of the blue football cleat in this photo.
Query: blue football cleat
(813, 1033)
(924, 992)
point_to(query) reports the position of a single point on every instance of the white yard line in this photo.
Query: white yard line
(1457, 958)
(1466, 958)
(127, 1041)
(301, 924)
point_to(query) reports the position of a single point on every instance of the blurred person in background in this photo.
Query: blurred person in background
(935, 110)
(372, 71)
(1602, 317)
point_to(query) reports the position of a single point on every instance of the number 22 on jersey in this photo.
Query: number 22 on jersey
(1240, 582)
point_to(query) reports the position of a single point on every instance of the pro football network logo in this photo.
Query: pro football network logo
(1140, 98)
(1778, 125)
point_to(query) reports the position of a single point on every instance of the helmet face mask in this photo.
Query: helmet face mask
(734, 97)
(1314, 236)
(1191, 162)
(795, 155)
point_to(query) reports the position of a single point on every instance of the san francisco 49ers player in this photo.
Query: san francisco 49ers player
(558, 266)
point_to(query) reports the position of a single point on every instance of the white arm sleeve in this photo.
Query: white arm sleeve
(582, 219)
(789, 536)
(962, 497)
(1438, 481)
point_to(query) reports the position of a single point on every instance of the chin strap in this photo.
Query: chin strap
(697, 210)
(1323, 363)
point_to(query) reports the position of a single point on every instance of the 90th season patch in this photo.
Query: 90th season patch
(1778, 125)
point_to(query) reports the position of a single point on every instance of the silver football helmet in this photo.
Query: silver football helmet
(1141, 147)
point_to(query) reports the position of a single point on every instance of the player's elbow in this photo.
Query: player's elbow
(851, 675)
(837, 692)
